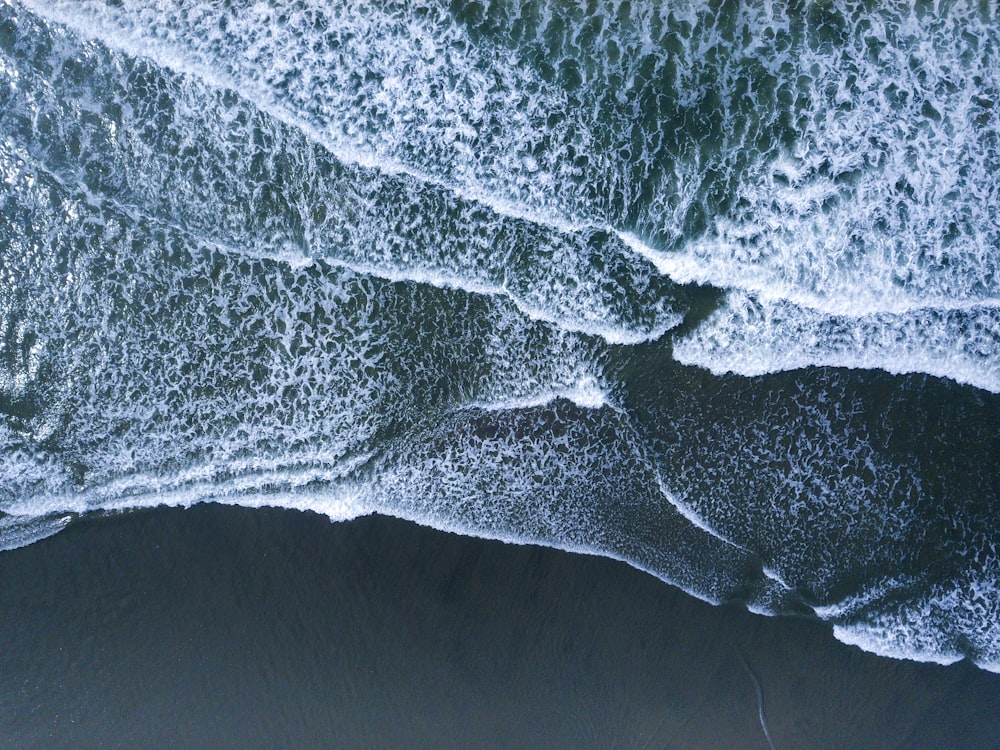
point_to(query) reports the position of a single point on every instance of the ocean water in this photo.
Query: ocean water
(709, 287)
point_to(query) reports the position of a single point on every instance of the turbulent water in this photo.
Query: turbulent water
(709, 287)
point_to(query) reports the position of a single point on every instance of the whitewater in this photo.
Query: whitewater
(713, 291)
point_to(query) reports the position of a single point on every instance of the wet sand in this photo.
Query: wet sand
(231, 628)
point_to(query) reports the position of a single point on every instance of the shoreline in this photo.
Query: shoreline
(221, 626)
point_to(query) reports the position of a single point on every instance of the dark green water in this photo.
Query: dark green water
(710, 288)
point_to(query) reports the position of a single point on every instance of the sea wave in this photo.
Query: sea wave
(452, 264)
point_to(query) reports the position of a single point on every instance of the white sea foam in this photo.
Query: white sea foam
(269, 366)
(586, 393)
(792, 472)
(391, 226)
(20, 532)
(912, 617)
(302, 66)
(872, 592)
(887, 642)
(873, 241)
(943, 628)
(750, 336)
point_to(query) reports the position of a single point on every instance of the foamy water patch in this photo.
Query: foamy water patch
(886, 201)
(585, 393)
(17, 532)
(428, 105)
(562, 476)
(788, 470)
(186, 374)
(949, 622)
(750, 336)
(891, 642)
(222, 170)
(872, 232)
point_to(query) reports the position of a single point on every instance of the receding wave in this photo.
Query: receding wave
(714, 293)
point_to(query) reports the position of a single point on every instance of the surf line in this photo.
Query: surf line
(760, 699)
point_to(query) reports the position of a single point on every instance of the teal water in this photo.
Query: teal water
(713, 290)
